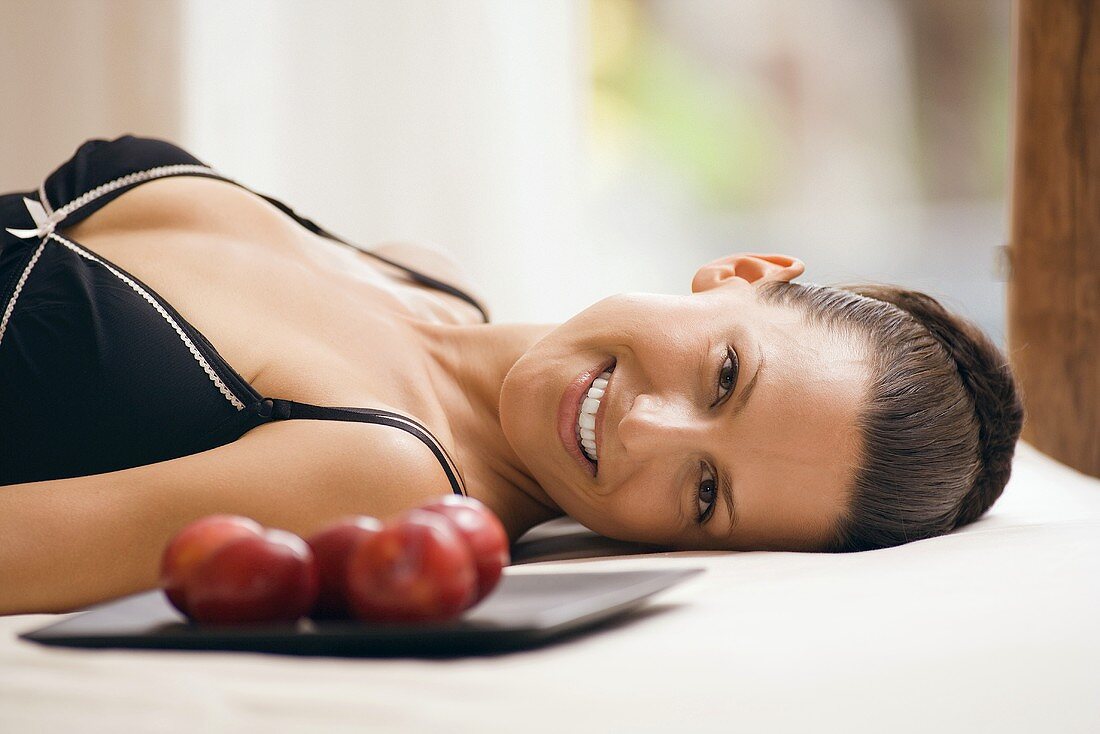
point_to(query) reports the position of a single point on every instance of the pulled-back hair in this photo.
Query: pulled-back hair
(942, 417)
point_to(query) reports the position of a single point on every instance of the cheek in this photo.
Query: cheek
(644, 509)
(625, 318)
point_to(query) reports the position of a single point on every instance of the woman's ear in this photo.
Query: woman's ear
(749, 267)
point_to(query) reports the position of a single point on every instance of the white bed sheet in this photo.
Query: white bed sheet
(993, 628)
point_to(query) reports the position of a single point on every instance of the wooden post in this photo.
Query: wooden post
(1053, 329)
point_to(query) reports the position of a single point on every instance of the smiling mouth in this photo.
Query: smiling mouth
(569, 416)
(587, 411)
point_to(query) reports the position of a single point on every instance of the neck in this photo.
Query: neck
(467, 366)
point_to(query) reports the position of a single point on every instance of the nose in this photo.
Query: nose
(656, 424)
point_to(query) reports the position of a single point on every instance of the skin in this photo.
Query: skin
(791, 452)
(247, 276)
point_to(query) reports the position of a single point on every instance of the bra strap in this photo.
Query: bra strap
(279, 409)
(416, 275)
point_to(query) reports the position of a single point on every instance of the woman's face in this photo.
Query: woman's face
(704, 388)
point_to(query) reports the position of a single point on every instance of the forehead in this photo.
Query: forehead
(796, 445)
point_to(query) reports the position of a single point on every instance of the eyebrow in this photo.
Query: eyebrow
(738, 405)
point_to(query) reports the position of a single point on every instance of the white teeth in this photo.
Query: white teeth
(586, 419)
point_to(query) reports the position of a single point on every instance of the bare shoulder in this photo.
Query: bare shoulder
(435, 261)
(350, 467)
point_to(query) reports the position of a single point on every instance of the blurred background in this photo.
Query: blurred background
(567, 150)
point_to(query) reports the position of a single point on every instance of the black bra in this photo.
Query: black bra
(98, 372)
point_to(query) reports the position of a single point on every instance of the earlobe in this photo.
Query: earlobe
(749, 267)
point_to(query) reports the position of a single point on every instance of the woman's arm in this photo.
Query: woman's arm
(67, 543)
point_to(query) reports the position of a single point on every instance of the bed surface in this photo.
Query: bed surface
(993, 628)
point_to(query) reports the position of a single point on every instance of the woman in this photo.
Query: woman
(755, 413)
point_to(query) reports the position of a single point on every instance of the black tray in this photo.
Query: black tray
(525, 610)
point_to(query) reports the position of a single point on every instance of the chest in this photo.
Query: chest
(298, 316)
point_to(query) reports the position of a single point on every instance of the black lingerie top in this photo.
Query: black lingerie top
(97, 371)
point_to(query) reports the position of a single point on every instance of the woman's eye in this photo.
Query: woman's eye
(727, 375)
(707, 493)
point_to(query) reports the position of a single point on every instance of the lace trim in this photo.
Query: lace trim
(218, 383)
(131, 178)
(19, 288)
(46, 225)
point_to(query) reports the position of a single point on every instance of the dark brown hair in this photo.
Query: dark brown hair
(942, 416)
